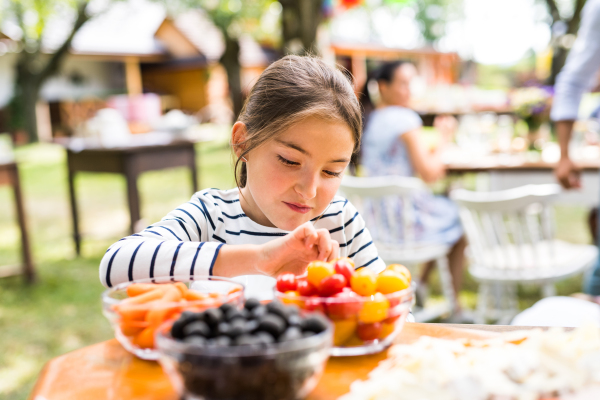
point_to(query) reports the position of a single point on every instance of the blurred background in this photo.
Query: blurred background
(91, 76)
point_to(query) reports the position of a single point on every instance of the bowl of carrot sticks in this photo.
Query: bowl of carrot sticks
(136, 309)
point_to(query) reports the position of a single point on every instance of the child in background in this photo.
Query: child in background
(299, 127)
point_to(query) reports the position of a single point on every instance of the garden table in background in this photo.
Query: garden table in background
(142, 153)
(9, 175)
(509, 171)
(106, 371)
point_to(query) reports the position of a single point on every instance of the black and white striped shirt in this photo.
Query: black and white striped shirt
(187, 241)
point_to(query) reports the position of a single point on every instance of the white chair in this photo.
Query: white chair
(511, 241)
(378, 199)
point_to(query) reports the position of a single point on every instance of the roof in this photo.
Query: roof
(140, 28)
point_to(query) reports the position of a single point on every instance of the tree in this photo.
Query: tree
(234, 17)
(300, 21)
(564, 29)
(34, 66)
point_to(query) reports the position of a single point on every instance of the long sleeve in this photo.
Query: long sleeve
(180, 244)
(359, 244)
(347, 227)
(581, 67)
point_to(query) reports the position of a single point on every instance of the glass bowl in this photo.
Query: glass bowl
(134, 325)
(281, 371)
(362, 325)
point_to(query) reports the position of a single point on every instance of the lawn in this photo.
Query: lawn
(61, 312)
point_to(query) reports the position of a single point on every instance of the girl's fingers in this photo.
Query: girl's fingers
(335, 251)
(325, 244)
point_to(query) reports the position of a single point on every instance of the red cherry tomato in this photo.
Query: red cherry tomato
(368, 332)
(305, 288)
(286, 282)
(314, 304)
(332, 284)
(343, 305)
(344, 267)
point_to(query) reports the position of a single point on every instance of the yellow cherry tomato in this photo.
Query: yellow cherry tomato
(292, 297)
(364, 282)
(375, 310)
(402, 270)
(343, 330)
(317, 271)
(390, 281)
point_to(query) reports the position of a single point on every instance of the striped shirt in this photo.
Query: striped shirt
(187, 241)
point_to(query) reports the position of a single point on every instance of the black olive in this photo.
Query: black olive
(292, 310)
(246, 340)
(225, 307)
(197, 328)
(314, 323)
(264, 338)
(222, 341)
(195, 340)
(232, 314)
(294, 320)
(213, 316)
(251, 326)
(272, 324)
(251, 304)
(177, 328)
(224, 328)
(237, 327)
(277, 308)
(291, 333)
(258, 312)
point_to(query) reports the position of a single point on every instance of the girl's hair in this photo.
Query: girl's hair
(290, 90)
(385, 73)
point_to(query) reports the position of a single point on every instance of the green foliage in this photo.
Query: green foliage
(433, 15)
(234, 17)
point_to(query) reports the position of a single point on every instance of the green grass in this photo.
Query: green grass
(61, 312)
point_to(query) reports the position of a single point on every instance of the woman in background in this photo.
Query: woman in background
(392, 144)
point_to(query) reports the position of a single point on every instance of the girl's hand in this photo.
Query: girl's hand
(293, 252)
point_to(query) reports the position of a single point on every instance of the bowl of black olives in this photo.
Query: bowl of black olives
(255, 352)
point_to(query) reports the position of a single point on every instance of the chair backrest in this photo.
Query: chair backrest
(385, 203)
(509, 229)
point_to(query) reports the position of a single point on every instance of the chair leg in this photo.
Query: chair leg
(483, 297)
(548, 290)
(447, 284)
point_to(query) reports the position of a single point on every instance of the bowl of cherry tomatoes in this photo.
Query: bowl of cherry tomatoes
(367, 309)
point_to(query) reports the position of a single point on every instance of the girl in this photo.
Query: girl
(392, 145)
(298, 129)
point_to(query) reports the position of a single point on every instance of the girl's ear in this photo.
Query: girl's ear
(238, 138)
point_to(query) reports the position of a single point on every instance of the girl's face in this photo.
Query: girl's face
(397, 92)
(293, 177)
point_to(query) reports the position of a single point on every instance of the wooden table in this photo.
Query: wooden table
(504, 171)
(105, 371)
(9, 175)
(130, 161)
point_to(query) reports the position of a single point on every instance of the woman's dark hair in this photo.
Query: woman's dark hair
(385, 72)
(290, 90)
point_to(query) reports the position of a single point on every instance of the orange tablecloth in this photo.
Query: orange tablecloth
(106, 371)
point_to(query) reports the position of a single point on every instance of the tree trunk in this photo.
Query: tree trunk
(560, 53)
(300, 20)
(23, 104)
(559, 57)
(231, 62)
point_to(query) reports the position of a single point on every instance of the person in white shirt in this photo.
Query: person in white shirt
(295, 136)
(576, 77)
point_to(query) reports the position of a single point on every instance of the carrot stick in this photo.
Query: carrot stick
(182, 288)
(136, 289)
(155, 294)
